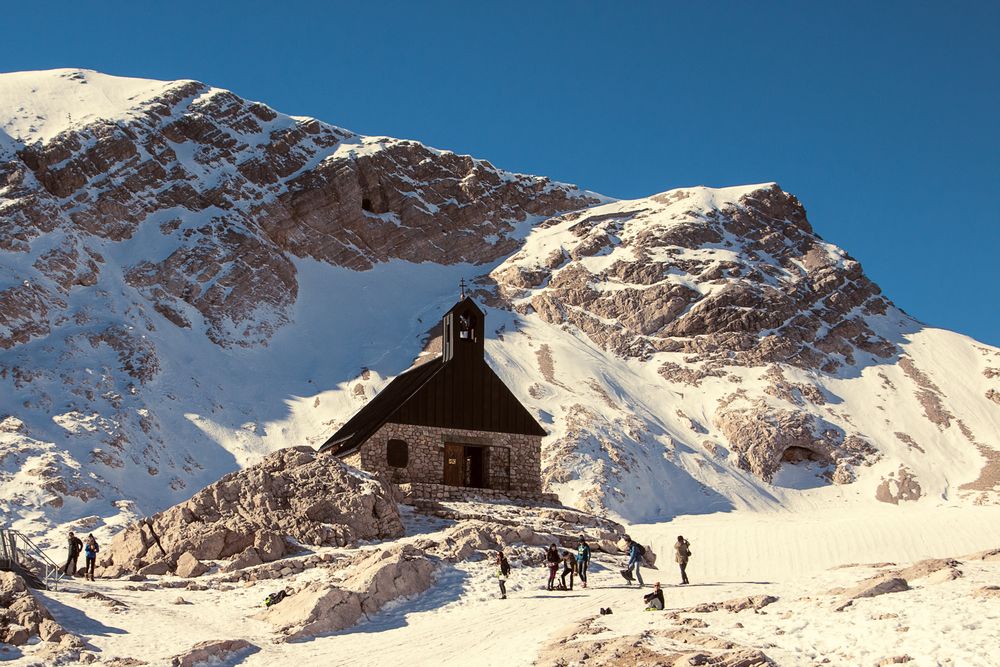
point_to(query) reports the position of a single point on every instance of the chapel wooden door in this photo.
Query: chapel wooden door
(454, 464)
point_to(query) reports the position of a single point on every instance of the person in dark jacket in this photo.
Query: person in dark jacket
(583, 560)
(654, 600)
(552, 560)
(635, 553)
(503, 571)
(90, 552)
(682, 549)
(569, 567)
(73, 558)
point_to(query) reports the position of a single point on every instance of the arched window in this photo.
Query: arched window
(397, 453)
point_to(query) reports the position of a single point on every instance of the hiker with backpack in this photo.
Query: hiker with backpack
(552, 561)
(503, 571)
(583, 560)
(683, 551)
(90, 553)
(635, 553)
(569, 567)
(75, 546)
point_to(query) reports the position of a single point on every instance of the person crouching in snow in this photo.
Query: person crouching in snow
(503, 571)
(552, 560)
(654, 600)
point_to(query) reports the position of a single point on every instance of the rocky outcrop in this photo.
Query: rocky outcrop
(247, 516)
(213, 652)
(23, 618)
(763, 437)
(736, 605)
(589, 643)
(898, 487)
(378, 578)
(743, 282)
(878, 585)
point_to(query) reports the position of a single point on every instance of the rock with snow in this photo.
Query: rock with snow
(378, 578)
(214, 652)
(293, 493)
(879, 585)
(23, 615)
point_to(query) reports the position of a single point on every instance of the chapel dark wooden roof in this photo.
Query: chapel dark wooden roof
(460, 393)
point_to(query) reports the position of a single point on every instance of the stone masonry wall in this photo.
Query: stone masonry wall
(426, 456)
(422, 494)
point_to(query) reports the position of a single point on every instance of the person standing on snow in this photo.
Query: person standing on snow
(73, 555)
(503, 571)
(552, 560)
(583, 560)
(682, 550)
(635, 554)
(90, 551)
(569, 567)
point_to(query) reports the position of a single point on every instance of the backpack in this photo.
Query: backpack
(275, 598)
(640, 550)
(505, 568)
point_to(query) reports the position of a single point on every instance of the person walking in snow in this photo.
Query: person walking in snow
(90, 551)
(503, 571)
(682, 550)
(583, 560)
(635, 554)
(552, 560)
(73, 555)
(569, 567)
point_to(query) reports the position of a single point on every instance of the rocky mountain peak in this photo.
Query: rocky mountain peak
(190, 280)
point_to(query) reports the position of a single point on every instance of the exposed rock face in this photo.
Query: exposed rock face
(762, 436)
(898, 487)
(292, 493)
(23, 616)
(238, 187)
(383, 576)
(766, 288)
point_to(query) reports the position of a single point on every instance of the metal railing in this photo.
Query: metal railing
(19, 554)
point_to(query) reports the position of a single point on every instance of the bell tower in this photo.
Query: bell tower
(463, 327)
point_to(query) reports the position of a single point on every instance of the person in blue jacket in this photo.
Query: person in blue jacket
(635, 554)
(583, 560)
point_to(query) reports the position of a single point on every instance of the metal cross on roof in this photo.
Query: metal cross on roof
(461, 285)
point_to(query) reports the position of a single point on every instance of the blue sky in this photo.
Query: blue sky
(882, 117)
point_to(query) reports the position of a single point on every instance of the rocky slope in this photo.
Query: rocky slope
(190, 280)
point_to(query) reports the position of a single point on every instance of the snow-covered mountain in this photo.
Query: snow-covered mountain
(189, 280)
